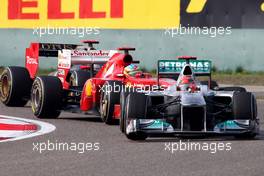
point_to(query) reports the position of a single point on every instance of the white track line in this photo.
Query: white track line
(14, 133)
(44, 128)
(12, 121)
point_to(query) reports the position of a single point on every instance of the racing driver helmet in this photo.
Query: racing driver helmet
(187, 80)
(131, 70)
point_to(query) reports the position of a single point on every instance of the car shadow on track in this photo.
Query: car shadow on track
(87, 119)
(84, 119)
(259, 137)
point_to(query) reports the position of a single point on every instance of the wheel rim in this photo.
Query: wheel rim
(126, 122)
(5, 86)
(103, 105)
(36, 97)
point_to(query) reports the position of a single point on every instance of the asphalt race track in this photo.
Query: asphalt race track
(119, 156)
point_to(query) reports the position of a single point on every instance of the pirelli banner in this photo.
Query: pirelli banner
(131, 14)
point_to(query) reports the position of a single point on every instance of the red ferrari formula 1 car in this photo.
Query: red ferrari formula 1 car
(87, 80)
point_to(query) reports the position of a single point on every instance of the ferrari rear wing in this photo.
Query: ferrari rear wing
(79, 54)
(37, 50)
(51, 49)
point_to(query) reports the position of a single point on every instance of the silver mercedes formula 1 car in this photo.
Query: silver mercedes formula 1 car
(189, 107)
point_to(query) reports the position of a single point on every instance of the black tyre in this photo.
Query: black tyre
(137, 103)
(237, 89)
(109, 97)
(213, 84)
(15, 85)
(123, 95)
(135, 108)
(79, 77)
(46, 97)
(244, 108)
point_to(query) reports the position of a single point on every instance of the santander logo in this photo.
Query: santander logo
(99, 53)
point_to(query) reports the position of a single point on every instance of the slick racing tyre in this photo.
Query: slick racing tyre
(110, 95)
(79, 77)
(15, 85)
(135, 108)
(123, 96)
(237, 89)
(46, 97)
(245, 108)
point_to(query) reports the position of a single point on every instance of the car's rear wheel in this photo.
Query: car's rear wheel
(15, 85)
(135, 108)
(110, 96)
(46, 97)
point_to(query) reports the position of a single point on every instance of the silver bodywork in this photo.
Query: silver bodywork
(192, 100)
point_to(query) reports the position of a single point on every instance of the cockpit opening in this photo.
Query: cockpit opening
(187, 71)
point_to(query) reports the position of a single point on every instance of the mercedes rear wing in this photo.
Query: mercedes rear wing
(173, 68)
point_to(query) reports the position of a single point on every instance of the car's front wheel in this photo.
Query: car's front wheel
(110, 95)
(135, 108)
(245, 108)
(46, 97)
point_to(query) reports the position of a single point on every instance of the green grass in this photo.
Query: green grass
(250, 78)
(239, 76)
(46, 71)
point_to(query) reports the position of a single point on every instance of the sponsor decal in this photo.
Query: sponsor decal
(90, 53)
(64, 59)
(131, 14)
(175, 66)
(31, 61)
(116, 14)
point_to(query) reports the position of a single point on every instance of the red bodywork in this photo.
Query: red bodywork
(113, 69)
(32, 59)
(118, 61)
